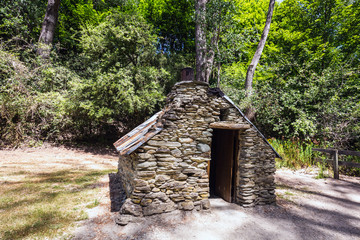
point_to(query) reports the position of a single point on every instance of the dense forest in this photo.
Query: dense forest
(111, 63)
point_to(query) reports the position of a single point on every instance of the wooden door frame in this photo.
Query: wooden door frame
(236, 158)
(233, 165)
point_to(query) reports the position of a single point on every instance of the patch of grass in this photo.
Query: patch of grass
(43, 205)
(22, 172)
(289, 193)
(322, 168)
(294, 154)
(286, 198)
(93, 204)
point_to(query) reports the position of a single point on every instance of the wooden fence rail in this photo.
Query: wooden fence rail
(335, 155)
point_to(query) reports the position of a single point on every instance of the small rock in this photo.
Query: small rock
(187, 206)
(180, 177)
(164, 144)
(144, 155)
(156, 208)
(176, 152)
(205, 204)
(123, 220)
(199, 159)
(146, 164)
(203, 147)
(145, 202)
(130, 208)
(186, 140)
(155, 190)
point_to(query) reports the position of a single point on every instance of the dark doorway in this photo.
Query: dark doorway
(224, 149)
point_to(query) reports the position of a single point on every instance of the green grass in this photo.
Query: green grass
(322, 168)
(289, 193)
(93, 204)
(294, 154)
(44, 205)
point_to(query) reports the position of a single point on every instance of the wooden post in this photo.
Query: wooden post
(336, 164)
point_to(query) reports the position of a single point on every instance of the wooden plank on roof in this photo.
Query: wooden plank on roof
(141, 141)
(139, 135)
(229, 125)
(136, 132)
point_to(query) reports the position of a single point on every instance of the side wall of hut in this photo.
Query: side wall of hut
(256, 162)
(127, 173)
(255, 182)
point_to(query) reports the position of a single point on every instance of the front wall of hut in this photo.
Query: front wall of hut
(170, 171)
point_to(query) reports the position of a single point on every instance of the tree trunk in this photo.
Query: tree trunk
(48, 28)
(250, 111)
(200, 40)
(211, 52)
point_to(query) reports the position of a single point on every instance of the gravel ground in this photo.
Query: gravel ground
(307, 208)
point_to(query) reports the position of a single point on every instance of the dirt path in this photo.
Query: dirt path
(307, 208)
(48, 158)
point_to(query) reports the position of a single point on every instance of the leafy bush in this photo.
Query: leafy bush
(122, 83)
(30, 109)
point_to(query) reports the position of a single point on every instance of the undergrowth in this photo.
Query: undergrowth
(294, 154)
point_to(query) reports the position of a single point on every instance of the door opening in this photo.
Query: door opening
(223, 164)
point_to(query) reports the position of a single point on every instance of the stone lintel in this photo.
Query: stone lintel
(229, 125)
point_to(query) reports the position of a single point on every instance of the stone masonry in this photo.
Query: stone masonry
(169, 171)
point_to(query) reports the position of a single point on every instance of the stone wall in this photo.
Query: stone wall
(169, 171)
(126, 172)
(255, 181)
(256, 166)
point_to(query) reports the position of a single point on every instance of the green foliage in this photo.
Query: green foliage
(174, 23)
(77, 14)
(295, 154)
(307, 81)
(31, 101)
(121, 40)
(112, 63)
(321, 174)
(20, 21)
(241, 42)
(124, 82)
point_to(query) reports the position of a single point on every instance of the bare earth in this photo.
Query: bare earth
(307, 208)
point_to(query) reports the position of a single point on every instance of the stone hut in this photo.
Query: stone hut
(199, 145)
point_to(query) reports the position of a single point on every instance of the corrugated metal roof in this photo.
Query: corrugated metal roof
(139, 135)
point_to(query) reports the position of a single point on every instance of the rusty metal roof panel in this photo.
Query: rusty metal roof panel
(139, 135)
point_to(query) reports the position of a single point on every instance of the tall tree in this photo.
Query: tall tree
(48, 28)
(250, 111)
(200, 40)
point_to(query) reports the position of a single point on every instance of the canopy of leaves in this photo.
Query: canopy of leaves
(113, 61)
